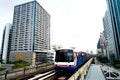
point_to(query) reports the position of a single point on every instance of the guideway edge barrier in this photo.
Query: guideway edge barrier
(80, 74)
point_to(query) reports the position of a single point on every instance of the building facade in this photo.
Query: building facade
(102, 42)
(6, 43)
(30, 30)
(109, 36)
(114, 9)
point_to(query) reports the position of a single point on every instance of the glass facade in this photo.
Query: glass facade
(108, 33)
(114, 9)
(64, 55)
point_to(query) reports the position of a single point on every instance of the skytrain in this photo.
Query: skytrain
(67, 59)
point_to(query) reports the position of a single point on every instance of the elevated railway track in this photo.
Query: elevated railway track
(48, 73)
(62, 75)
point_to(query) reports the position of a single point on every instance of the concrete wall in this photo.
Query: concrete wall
(26, 56)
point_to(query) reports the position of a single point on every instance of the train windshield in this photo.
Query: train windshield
(64, 56)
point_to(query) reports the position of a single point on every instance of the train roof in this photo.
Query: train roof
(64, 49)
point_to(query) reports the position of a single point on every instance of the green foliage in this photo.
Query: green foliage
(117, 66)
(20, 64)
(117, 63)
(1, 69)
(9, 62)
(1, 61)
(103, 59)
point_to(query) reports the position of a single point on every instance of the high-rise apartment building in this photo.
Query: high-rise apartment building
(31, 28)
(6, 43)
(114, 10)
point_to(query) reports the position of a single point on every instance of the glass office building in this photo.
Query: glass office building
(114, 9)
(109, 36)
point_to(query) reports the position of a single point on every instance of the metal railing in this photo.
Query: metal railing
(7, 74)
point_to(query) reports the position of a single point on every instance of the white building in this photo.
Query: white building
(5, 42)
(30, 30)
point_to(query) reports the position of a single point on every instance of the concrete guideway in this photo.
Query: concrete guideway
(80, 74)
(95, 73)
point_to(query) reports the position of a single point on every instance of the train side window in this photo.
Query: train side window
(79, 56)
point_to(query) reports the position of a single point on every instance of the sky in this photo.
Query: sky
(74, 23)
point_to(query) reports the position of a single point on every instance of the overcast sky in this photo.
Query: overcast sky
(74, 23)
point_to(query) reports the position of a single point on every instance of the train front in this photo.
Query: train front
(64, 60)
